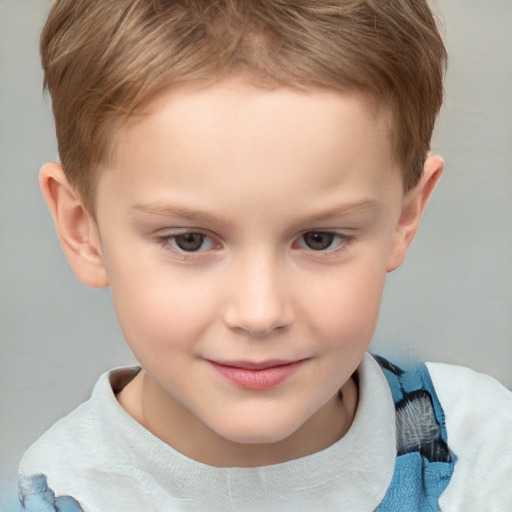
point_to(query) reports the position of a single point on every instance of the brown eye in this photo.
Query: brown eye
(189, 242)
(318, 240)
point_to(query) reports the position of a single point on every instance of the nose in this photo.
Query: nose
(258, 304)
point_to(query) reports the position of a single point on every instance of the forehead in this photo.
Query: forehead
(220, 109)
(236, 136)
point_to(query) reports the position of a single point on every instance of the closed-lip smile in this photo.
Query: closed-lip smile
(256, 375)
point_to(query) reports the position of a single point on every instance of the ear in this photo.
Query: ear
(413, 206)
(76, 228)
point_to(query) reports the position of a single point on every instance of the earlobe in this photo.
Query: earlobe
(413, 207)
(77, 230)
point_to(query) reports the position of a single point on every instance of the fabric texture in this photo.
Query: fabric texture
(424, 464)
(412, 430)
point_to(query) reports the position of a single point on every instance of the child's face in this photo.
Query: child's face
(244, 228)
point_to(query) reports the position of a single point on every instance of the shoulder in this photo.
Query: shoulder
(49, 463)
(62, 440)
(478, 415)
(475, 404)
(88, 431)
(69, 454)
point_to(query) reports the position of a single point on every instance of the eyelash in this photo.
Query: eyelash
(344, 242)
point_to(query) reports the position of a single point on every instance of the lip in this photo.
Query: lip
(256, 375)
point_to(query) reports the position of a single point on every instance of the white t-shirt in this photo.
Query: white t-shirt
(106, 461)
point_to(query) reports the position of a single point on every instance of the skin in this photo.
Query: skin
(299, 212)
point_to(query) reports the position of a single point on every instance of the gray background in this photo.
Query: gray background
(451, 301)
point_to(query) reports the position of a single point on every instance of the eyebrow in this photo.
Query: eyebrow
(340, 210)
(186, 213)
(174, 210)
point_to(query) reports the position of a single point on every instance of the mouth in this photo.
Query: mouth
(256, 375)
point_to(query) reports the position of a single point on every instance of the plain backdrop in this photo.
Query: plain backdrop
(451, 301)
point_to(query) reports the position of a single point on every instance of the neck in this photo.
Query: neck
(168, 420)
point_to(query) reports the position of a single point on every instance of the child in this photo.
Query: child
(243, 175)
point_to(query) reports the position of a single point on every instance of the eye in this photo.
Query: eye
(189, 242)
(322, 240)
(318, 240)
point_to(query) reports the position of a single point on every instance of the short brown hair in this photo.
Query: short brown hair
(103, 58)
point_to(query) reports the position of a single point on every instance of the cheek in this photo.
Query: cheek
(159, 310)
(347, 303)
